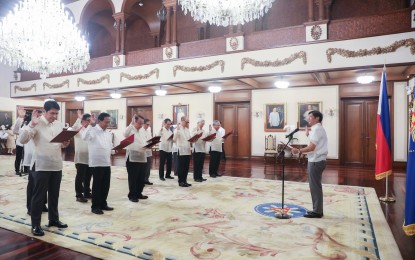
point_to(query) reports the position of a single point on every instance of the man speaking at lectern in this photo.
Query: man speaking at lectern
(317, 155)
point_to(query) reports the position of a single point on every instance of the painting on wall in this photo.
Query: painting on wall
(6, 118)
(114, 119)
(179, 111)
(275, 117)
(303, 109)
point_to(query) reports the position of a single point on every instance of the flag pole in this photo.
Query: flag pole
(387, 198)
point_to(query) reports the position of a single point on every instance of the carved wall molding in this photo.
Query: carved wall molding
(220, 63)
(95, 81)
(374, 51)
(24, 88)
(139, 76)
(277, 63)
(45, 84)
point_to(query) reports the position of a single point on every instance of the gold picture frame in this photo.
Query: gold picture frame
(304, 108)
(275, 117)
(179, 111)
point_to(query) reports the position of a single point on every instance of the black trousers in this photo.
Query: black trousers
(183, 167)
(45, 182)
(136, 178)
(175, 163)
(19, 156)
(29, 192)
(148, 167)
(82, 180)
(100, 186)
(214, 162)
(165, 158)
(223, 155)
(198, 161)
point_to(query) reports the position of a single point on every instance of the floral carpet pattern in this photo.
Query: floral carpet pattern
(222, 218)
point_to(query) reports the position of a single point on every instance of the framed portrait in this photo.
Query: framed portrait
(6, 118)
(114, 119)
(303, 109)
(275, 117)
(179, 111)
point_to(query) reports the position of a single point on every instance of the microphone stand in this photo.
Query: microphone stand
(282, 156)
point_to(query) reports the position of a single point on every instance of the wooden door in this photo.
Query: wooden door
(359, 132)
(236, 116)
(70, 117)
(144, 111)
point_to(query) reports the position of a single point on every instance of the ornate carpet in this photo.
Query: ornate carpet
(222, 218)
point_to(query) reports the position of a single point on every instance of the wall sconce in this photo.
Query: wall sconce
(330, 112)
(200, 115)
(257, 114)
(160, 116)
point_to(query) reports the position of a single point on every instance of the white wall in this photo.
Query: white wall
(328, 95)
(198, 104)
(400, 126)
(111, 104)
(9, 104)
(6, 75)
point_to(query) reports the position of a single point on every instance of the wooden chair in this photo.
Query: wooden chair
(270, 147)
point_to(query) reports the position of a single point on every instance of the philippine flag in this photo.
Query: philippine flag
(383, 133)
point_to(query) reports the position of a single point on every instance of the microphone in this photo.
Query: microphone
(290, 135)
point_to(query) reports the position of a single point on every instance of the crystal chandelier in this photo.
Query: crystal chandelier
(39, 36)
(225, 12)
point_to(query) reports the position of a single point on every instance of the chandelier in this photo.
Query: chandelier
(225, 12)
(39, 36)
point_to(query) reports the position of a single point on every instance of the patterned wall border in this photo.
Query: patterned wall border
(374, 51)
(24, 88)
(220, 63)
(277, 63)
(45, 84)
(95, 81)
(140, 76)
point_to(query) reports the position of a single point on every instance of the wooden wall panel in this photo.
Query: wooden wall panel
(233, 96)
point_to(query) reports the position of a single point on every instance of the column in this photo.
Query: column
(320, 10)
(174, 29)
(310, 10)
(168, 25)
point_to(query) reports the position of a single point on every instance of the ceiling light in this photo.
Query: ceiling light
(39, 36)
(140, 3)
(365, 79)
(215, 89)
(225, 12)
(115, 95)
(79, 98)
(161, 92)
(281, 84)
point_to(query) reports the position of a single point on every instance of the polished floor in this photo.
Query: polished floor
(17, 246)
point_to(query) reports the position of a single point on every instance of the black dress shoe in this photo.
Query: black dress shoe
(148, 183)
(57, 223)
(133, 200)
(97, 211)
(107, 208)
(45, 209)
(182, 184)
(203, 179)
(218, 175)
(312, 214)
(162, 179)
(143, 197)
(188, 184)
(81, 199)
(198, 180)
(88, 196)
(37, 231)
(212, 176)
(169, 177)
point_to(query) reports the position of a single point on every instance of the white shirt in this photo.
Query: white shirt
(165, 145)
(216, 144)
(99, 146)
(16, 130)
(181, 138)
(81, 146)
(199, 145)
(146, 135)
(46, 155)
(318, 137)
(274, 119)
(221, 132)
(135, 151)
(28, 153)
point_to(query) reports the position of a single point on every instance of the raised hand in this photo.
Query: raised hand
(79, 112)
(35, 118)
(21, 112)
(93, 119)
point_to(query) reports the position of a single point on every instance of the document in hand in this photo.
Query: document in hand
(195, 138)
(150, 145)
(170, 138)
(124, 143)
(155, 138)
(209, 137)
(64, 136)
(228, 134)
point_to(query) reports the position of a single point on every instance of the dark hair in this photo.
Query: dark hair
(146, 120)
(85, 116)
(51, 104)
(167, 120)
(316, 114)
(102, 116)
